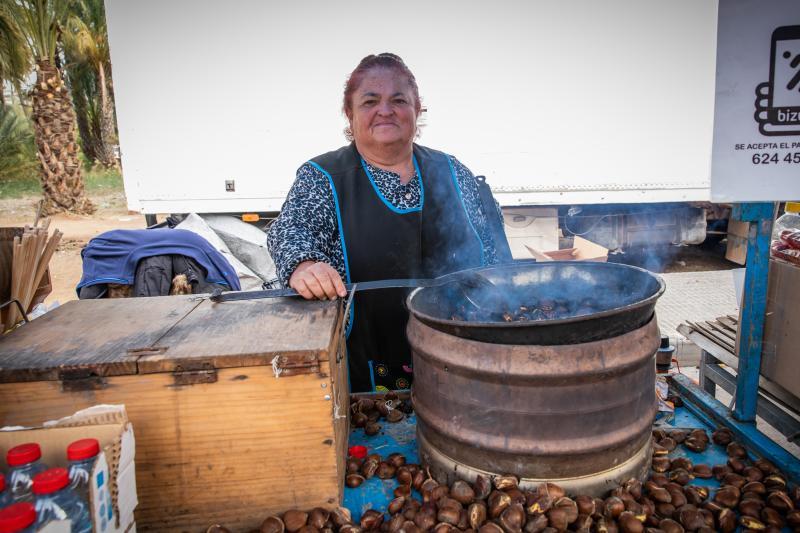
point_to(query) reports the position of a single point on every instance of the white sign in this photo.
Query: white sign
(756, 154)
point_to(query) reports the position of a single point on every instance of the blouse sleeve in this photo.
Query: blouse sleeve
(474, 207)
(306, 229)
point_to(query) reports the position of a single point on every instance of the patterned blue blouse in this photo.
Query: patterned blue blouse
(307, 229)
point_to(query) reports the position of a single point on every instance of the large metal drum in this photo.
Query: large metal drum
(576, 414)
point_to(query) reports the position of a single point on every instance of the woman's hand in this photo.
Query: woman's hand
(317, 280)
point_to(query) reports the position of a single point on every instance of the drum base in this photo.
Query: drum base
(446, 470)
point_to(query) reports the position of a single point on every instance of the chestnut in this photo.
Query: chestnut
(512, 519)
(498, 502)
(734, 449)
(557, 518)
(780, 501)
(372, 428)
(462, 492)
(536, 524)
(669, 525)
(727, 496)
(629, 523)
(504, 482)
(397, 460)
(293, 520)
(726, 519)
(702, 471)
(482, 487)
(318, 517)
(476, 514)
(722, 436)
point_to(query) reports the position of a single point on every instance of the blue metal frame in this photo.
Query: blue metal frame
(754, 305)
(710, 410)
(751, 330)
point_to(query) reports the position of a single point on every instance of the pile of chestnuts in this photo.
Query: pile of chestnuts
(317, 520)
(753, 497)
(368, 412)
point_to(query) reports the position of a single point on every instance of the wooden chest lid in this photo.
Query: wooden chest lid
(112, 337)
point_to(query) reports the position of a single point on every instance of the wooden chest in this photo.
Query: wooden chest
(239, 409)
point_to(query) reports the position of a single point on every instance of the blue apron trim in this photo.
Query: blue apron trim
(341, 236)
(386, 202)
(463, 205)
(371, 374)
(97, 281)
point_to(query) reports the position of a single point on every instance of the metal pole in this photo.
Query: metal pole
(754, 305)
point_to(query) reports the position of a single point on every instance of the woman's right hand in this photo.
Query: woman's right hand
(317, 280)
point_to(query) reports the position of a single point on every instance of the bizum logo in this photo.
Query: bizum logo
(778, 100)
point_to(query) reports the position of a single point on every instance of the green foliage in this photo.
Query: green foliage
(41, 23)
(15, 60)
(17, 149)
(86, 35)
(89, 70)
(97, 181)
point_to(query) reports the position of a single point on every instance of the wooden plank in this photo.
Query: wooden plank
(88, 334)
(231, 452)
(773, 390)
(722, 330)
(249, 333)
(726, 321)
(711, 335)
(341, 399)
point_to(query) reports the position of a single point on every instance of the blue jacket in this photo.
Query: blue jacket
(111, 257)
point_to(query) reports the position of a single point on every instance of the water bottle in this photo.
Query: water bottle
(18, 518)
(56, 501)
(81, 455)
(5, 495)
(24, 462)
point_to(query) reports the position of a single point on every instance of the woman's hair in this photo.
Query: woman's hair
(385, 60)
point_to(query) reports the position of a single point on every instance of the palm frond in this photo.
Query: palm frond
(15, 59)
(17, 150)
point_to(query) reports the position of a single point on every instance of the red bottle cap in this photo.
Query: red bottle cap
(23, 454)
(83, 449)
(359, 452)
(17, 517)
(50, 481)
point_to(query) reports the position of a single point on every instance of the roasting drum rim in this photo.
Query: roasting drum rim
(571, 330)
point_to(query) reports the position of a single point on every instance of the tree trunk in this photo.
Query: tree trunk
(54, 127)
(105, 150)
(84, 129)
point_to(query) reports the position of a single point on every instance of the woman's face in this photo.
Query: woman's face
(384, 111)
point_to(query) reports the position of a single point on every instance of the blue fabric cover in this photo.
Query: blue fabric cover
(111, 257)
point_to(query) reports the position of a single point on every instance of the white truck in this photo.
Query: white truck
(586, 107)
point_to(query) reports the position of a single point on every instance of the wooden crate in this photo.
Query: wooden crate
(239, 409)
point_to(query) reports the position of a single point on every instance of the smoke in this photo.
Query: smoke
(545, 290)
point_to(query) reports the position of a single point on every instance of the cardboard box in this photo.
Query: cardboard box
(113, 481)
(780, 356)
(535, 227)
(582, 250)
(737, 241)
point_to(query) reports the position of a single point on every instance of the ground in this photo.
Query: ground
(65, 267)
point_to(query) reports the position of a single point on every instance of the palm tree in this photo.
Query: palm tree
(15, 59)
(16, 145)
(41, 23)
(86, 44)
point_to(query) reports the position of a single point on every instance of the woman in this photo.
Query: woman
(382, 207)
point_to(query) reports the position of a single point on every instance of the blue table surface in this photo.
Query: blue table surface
(401, 437)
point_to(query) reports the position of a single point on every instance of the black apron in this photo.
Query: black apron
(380, 241)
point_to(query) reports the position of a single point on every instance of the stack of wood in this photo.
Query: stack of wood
(32, 254)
